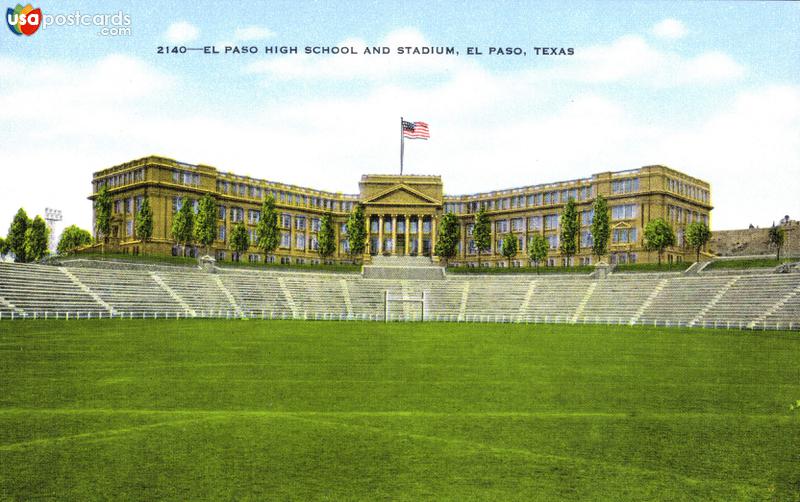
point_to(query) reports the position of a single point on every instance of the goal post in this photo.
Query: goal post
(387, 299)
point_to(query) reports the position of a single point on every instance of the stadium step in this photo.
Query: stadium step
(289, 298)
(527, 301)
(10, 305)
(778, 305)
(348, 304)
(713, 301)
(229, 296)
(648, 301)
(462, 309)
(86, 289)
(584, 301)
(173, 294)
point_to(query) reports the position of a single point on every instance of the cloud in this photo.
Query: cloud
(630, 59)
(670, 29)
(182, 32)
(253, 33)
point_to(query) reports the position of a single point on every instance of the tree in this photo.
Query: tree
(697, 234)
(600, 227)
(569, 230)
(537, 249)
(205, 222)
(449, 234)
(144, 221)
(240, 241)
(776, 238)
(15, 241)
(36, 239)
(482, 233)
(658, 235)
(183, 225)
(3, 247)
(509, 247)
(326, 237)
(356, 231)
(72, 238)
(267, 231)
(102, 213)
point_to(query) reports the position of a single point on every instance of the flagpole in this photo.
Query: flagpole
(402, 145)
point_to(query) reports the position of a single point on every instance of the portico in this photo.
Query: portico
(401, 213)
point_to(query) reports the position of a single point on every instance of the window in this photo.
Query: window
(535, 223)
(253, 215)
(220, 255)
(129, 228)
(286, 221)
(518, 224)
(177, 203)
(221, 234)
(344, 245)
(315, 224)
(552, 241)
(300, 241)
(551, 222)
(221, 210)
(286, 240)
(624, 235)
(586, 239)
(299, 222)
(387, 225)
(237, 214)
(139, 202)
(314, 244)
(470, 229)
(501, 226)
(623, 212)
(625, 186)
(426, 226)
(587, 217)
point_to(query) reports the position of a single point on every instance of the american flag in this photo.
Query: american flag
(415, 130)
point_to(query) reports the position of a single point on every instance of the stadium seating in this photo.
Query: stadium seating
(753, 300)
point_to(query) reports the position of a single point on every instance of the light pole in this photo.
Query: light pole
(51, 216)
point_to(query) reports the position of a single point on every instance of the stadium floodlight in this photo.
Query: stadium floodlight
(52, 216)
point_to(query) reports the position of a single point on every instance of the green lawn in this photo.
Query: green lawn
(743, 263)
(580, 269)
(199, 409)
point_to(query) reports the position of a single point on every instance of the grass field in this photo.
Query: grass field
(189, 410)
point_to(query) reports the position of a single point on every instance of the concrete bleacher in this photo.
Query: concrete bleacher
(748, 300)
(39, 290)
(129, 292)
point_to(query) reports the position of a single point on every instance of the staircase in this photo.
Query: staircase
(713, 301)
(403, 267)
(86, 289)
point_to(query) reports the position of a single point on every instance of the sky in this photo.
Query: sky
(711, 89)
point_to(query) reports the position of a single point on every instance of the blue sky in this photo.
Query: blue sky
(712, 89)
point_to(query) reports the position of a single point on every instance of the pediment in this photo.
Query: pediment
(402, 195)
